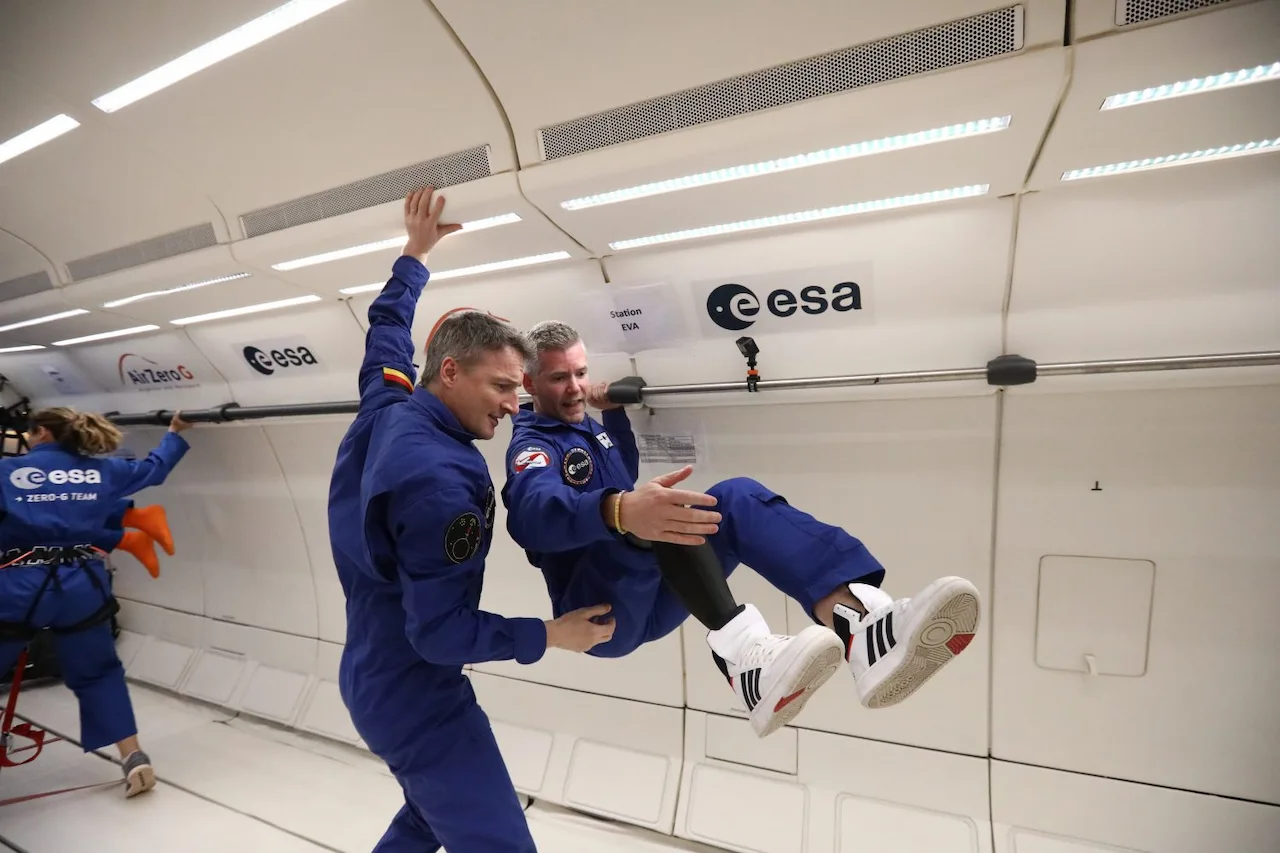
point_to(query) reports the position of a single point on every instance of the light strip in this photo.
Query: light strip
(102, 336)
(382, 245)
(475, 270)
(241, 38)
(154, 293)
(799, 161)
(75, 312)
(248, 309)
(1194, 86)
(27, 348)
(805, 216)
(36, 136)
(1226, 152)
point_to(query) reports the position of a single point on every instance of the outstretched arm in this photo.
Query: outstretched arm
(387, 373)
(126, 476)
(439, 548)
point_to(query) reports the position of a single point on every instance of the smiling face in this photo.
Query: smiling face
(559, 385)
(485, 391)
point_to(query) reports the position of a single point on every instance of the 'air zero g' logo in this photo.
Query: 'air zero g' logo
(266, 362)
(34, 478)
(735, 307)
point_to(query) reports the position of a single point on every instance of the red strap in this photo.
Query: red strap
(28, 797)
(32, 734)
(12, 705)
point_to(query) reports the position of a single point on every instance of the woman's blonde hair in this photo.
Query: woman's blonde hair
(86, 433)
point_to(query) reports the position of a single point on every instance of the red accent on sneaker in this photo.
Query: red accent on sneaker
(787, 700)
(957, 643)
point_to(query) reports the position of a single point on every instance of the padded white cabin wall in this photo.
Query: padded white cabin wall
(801, 790)
(932, 284)
(1037, 810)
(1137, 539)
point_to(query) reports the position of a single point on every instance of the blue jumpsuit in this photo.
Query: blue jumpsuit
(411, 509)
(52, 498)
(557, 476)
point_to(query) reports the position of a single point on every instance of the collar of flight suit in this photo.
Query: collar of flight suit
(435, 409)
(527, 417)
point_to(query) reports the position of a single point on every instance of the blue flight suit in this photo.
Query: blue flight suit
(52, 498)
(411, 509)
(558, 475)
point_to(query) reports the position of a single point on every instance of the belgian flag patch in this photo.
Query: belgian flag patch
(391, 376)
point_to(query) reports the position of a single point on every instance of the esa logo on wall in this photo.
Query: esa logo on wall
(279, 357)
(736, 307)
(787, 301)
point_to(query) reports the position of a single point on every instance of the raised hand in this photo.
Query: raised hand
(598, 397)
(659, 513)
(422, 212)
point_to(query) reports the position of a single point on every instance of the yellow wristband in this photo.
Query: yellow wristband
(617, 513)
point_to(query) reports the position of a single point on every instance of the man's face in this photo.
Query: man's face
(481, 395)
(559, 389)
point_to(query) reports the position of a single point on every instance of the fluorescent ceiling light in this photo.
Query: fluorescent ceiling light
(102, 336)
(383, 245)
(75, 312)
(805, 216)
(1226, 152)
(800, 161)
(27, 348)
(530, 260)
(248, 309)
(1213, 83)
(241, 38)
(154, 293)
(38, 135)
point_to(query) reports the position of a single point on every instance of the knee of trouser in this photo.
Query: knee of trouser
(738, 488)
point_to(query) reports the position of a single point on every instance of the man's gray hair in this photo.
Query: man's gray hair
(547, 336)
(465, 337)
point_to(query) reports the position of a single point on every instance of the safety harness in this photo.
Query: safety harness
(54, 558)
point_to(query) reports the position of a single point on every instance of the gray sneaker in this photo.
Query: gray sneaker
(139, 776)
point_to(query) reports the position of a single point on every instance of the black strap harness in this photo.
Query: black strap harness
(54, 558)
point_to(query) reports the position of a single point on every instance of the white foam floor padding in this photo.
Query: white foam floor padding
(224, 778)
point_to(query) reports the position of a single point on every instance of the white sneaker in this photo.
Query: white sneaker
(899, 645)
(773, 675)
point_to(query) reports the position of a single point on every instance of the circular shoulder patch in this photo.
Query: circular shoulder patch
(490, 506)
(578, 466)
(462, 538)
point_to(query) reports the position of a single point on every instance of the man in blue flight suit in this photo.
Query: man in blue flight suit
(649, 550)
(411, 509)
(55, 502)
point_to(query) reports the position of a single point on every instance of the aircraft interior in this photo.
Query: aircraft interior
(992, 286)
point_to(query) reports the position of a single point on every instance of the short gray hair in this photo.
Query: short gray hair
(465, 336)
(545, 336)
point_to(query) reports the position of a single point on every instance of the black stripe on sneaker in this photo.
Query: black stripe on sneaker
(871, 644)
(751, 688)
(880, 638)
(888, 629)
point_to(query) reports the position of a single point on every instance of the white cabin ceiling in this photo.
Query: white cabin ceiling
(306, 142)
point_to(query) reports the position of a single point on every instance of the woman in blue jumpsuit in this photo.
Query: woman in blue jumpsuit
(56, 501)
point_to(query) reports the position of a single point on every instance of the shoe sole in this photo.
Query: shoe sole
(822, 654)
(140, 780)
(943, 633)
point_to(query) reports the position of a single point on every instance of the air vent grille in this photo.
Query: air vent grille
(447, 171)
(1141, 11)
(943, 46)
(144, 252)
(25, 285)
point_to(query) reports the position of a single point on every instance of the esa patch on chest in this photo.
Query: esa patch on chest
(578, 466)
(462, 539)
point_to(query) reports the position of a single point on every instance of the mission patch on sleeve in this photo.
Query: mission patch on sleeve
(462, 539)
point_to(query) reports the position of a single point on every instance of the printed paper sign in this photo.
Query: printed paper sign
(634, 319)
(667, 449)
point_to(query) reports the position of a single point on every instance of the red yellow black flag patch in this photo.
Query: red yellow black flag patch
(391, 376)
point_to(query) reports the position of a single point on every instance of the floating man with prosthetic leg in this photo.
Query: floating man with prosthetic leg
(656, 557)
(411, 510)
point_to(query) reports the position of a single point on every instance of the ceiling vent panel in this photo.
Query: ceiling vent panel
(1144, 11)
(144, 252)
(25, 285)
(447, 171)
(979, 37)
